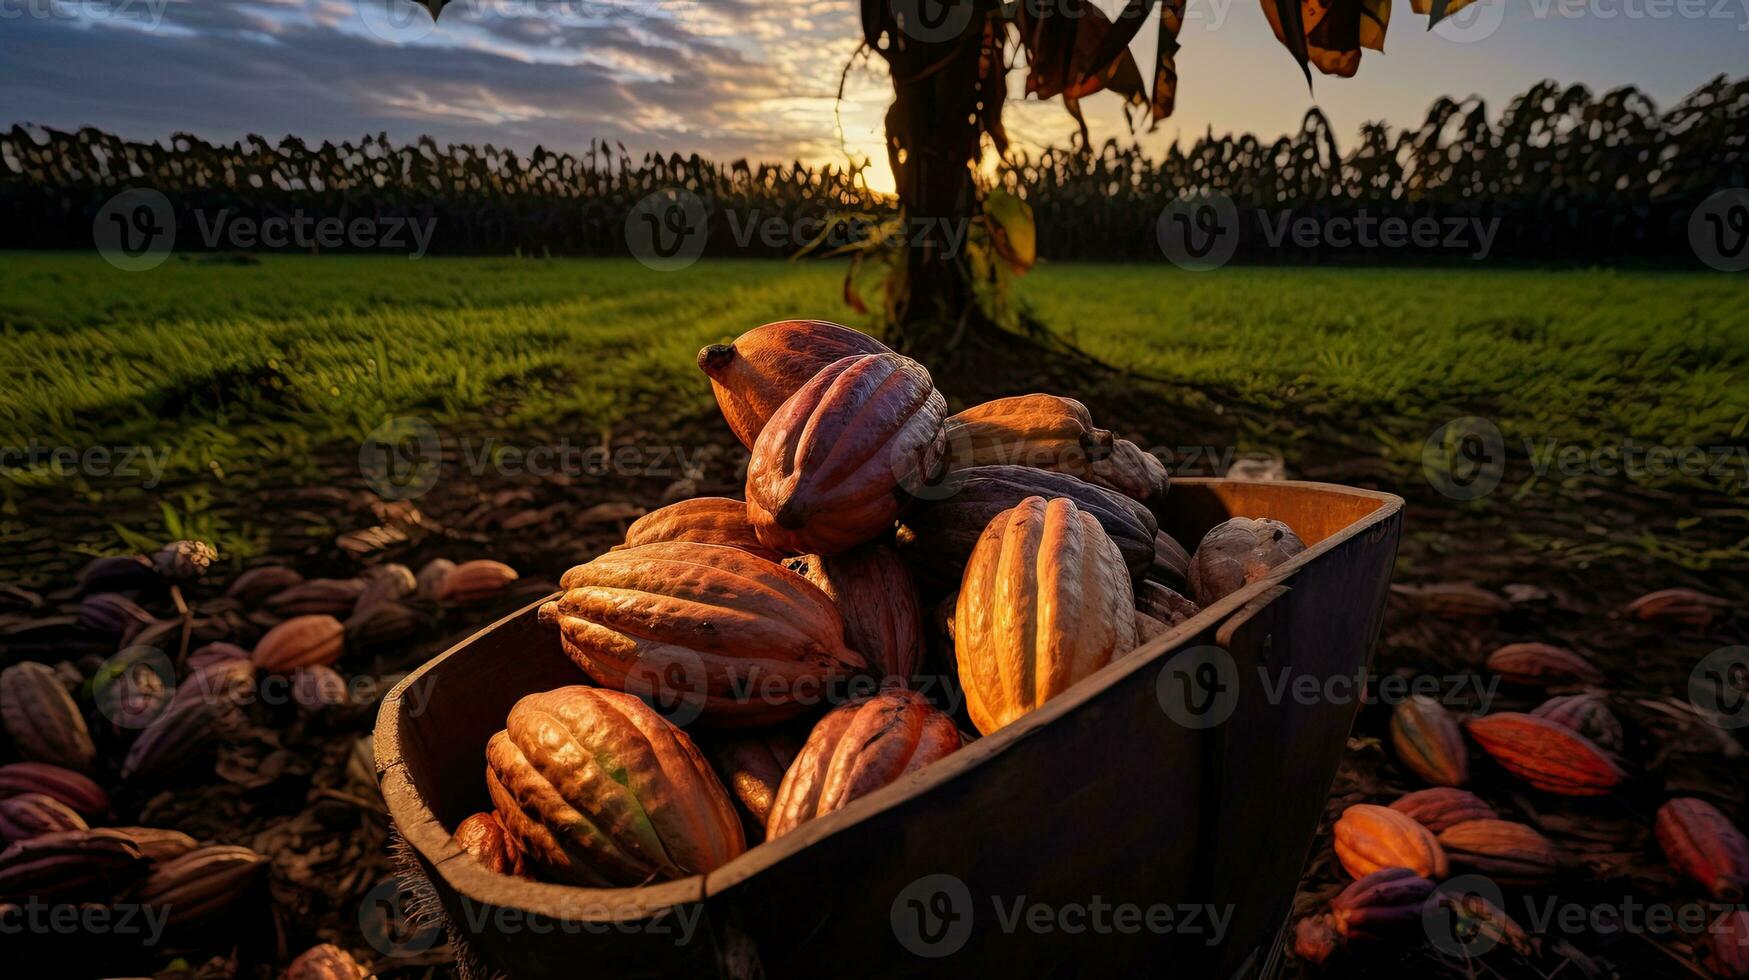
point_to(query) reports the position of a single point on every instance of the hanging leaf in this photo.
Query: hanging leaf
(1012, 233)
(1330, 32)
(1437, 10)
(1286, 18)
(1375, 17)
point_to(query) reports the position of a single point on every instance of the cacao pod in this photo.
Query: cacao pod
(317, 597)
(381, 622)
(1043, 431)
(1542, 665)
(325, 962)
(300, 642)
(316, 687)
(1163, 604)
(1728, 945)
(28, 815)
(833, 466)
(483, 835)
(1587, 714)
(1316, 939)
(1485, 922)
(875, 595)
(39, 715)
(1237, 552)
(1385, 901)
(131, 687)
(1428, 741)
(734, 637)
(70, 865)
(113, 615)
(162, 634)
(431, 576)
(1454, 600)
(200, 886)
(205, 708)
(752, 769)
(389, 582)
(938, 535)
(157, 844)
(1509, 853)
(1684, 607)
(1443, 806)
(214, 653)
(1133, 472)
(706, 520)
(475, 581)
(856, 749)
(1147, 627)
(1369, 838)
(1046, 601)
(1703, 844)
(117, 574)
(1546, 755)
(756, 374)
(1171, 565)
(72, 788)
(599, 789)
(262, 581)
(184, 561)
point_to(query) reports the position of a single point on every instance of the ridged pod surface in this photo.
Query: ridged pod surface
(1508, 852)
(325, 962)
(30, 815)
(1046, 431)
(874, 593)
(1543, 665)
(300, 642)
(834, 464)
(1370, 838)
(737, 638)
(1045, 602)
(1728, 945)
(756, 374)
(204, 709)
(1237, 552)
(1546, 754)
(1443, 806)
(201, 886)
(752, 769)
(483, 835)
(1703, 844)
(72, 865)
(75, 789)
(475, 581)
(705, 520)
(1163, 603)
(1587, 714)
(42, 719)
(599, 789)
(1380, 903)
(856, 749)
(158, 844)
(1133, 472)
(1428, 742)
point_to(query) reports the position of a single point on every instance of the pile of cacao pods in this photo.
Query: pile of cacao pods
(1564, 751)
(790, 630)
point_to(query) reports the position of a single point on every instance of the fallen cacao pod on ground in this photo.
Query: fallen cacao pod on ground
(1703, 844)
(317, 597)
(184, 561)
(1428, 742)
(205, 709)
(475, 581)
(1728, 945)
(39, 715)
(1510, 853)
(258, 583)
(197, 888)
(1044, 431)
(325, 962)
(483, 835)
(856, 749)
(1383, 902)
(117, 574)
(1237, 552)
(381, 622)
(937, 536)
(739, 639)
(1454, 600)
(1684, 607)
(875, 595)
(70, 865)
(75, 789)
(300, 642)
(756, 374)
(837, 461)
(752, 769)
(390, 582)
(1133, 472)
(28, 815)
(1543, 665)
(214, 653)
(113, 615)
(1370, 838)
(1163, 604)
(599, 789)
(1443, 806)
(1545, 754)
(1476, 919)
(1587, 714)
(1046, 601)
(316, 687)
(157, 844)
(705, 520)
(431, 575)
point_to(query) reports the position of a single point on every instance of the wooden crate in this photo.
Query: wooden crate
(1100, 796)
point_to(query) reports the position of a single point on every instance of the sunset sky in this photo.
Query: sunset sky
(738, 78)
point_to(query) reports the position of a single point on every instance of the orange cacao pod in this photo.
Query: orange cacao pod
(1163, 603)
(1316, 939)
(937, 535)
(1542, 665)
(157, 844)
(72, 865)
(1237, 552)
(39, 715)
(752, 769)
(200, 886)
(317, 597)
(1443, 806)
(1454, 600)
(756, 374)
(1703, 844)
(324, 962)
(1508, 852)
(856, 749)
(1587, 714)
(599, 789)
(1387, 900)
(1369, 838)
(1728, 945)
(72, 788)
(300, 642)
(475, 581)
(705, 520)
(1132, 472)
(833, 466)
(30, 815)
(483, 835)
(875, 595)
(1685, 607)
(740, 639)
(1045, 602)
(1545, 754)
(1428, 741)
(1044, 431)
